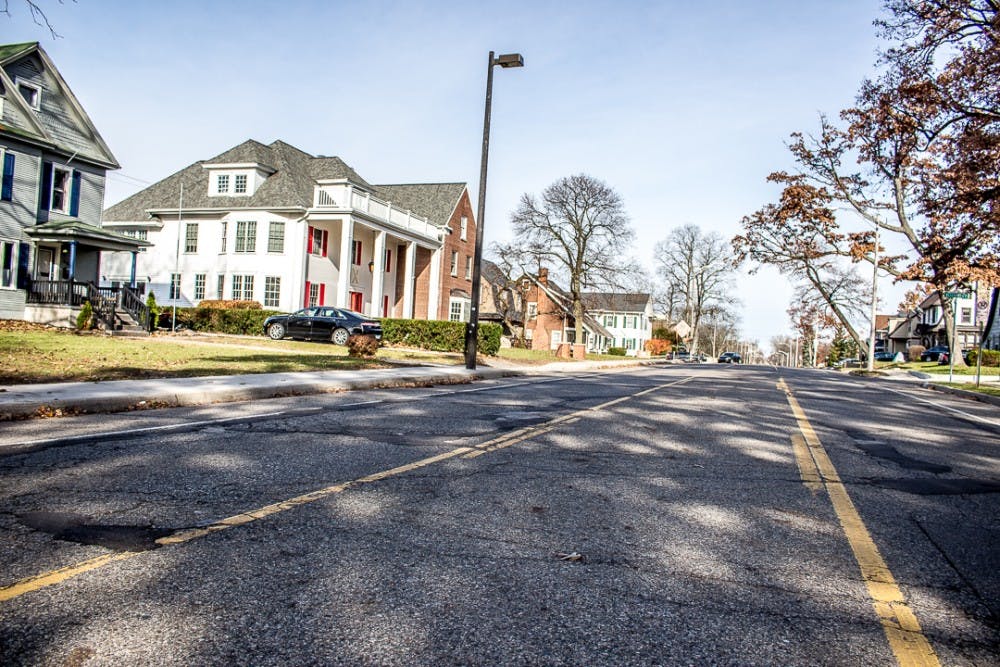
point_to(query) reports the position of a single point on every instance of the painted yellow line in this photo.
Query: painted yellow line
(58, 576)
(900, 625)
(807, 467)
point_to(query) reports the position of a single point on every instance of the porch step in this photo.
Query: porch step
(130, 332)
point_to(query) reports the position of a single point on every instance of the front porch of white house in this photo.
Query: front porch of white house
(391, 257)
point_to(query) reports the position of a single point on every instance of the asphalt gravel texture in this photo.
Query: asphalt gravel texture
(671, 528)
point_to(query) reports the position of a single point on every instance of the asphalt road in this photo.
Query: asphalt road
(688, 515)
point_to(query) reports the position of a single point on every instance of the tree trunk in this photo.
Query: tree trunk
(954, 348)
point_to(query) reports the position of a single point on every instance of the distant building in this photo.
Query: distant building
(627, 318)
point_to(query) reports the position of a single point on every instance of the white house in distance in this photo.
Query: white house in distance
(273, 224)
(627, 317)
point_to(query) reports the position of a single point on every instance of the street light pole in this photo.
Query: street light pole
(871, 338)
(471, 329)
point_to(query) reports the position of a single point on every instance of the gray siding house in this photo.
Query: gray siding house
(54, 163)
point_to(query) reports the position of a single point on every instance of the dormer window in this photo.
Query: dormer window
(222, 184)
(240, 184)
(31, 93)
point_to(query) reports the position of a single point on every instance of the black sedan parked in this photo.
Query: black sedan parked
(730, 358)
(322, 323)
(933, 353)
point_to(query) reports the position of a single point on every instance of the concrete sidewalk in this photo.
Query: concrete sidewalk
(65, 398)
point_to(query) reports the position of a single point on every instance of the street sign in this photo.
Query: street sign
(957, 295)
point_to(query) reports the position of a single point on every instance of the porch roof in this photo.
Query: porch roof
(64, 231)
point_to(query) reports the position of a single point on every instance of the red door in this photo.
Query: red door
(357, 301)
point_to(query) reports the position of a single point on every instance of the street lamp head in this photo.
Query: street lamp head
(509, 60)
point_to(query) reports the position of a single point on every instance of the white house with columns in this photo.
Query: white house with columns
(273, 224)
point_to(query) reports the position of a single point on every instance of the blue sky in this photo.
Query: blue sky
(682, 107)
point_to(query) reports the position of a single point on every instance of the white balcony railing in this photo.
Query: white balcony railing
(337, 197)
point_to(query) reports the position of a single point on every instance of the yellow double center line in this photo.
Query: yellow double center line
(53, 577)
(901, 628)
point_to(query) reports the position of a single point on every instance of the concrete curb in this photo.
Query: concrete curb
(964, 393)
(57, 399)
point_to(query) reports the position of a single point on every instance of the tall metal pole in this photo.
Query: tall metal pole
(472, 328)
(177, 261)
(871, 338)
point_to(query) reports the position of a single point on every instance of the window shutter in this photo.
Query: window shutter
(305, 300)
(309, 242)
(388, 260)
(46, 193)
(326, 235)
(74, 195)
(8, 177)
(23, 257)
(322, 294)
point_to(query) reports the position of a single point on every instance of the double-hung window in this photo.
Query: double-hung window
(191, 237)
(175, 286)
(222, 184)
(60, 190)
(222, 244)
(465, 228)
(276, 237)
(468, 267)
(220, 285)
(8, 263)
(240, 184)
(357, 253)
(7, 190)
(454, 262)
(246, 236)
(199, 286)
(272, 291)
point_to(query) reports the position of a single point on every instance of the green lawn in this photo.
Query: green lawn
(63, 356)
(935, 367)
(992, 390)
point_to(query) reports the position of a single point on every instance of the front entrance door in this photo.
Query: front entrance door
(357, 301)
(43, 267)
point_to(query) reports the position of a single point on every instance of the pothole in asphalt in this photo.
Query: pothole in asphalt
(70, 527)
(522, 417)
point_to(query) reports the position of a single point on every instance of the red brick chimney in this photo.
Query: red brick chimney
(543, 275)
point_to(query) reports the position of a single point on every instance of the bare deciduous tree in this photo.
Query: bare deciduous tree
(579, 225)
(697, 270)
(37, 14)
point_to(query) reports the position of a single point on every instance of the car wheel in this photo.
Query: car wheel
(340, 336)
(276, 331)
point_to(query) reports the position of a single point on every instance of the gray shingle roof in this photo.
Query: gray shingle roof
(290, 186)
(435, 201)
(616, 303)
(565, 301)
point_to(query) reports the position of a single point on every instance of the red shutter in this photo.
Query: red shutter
(305, 301)
(388, 261)
(385, 306)
(322, 294)
(309, 245)
(325, 235)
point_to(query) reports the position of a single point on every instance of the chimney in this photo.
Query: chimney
(543, 275)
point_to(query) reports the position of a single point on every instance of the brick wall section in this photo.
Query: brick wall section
(466, 250)
(422, 292)
(399, 252)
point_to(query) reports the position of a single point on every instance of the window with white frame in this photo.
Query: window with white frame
(175, 286)
(220, 285)
(242, 288)
(317, 241)
(31, 93)
(222, 240)
(966, 317)
(356, 260)
(222, 184)
(468, 267)
(240, 184)
(314, 294)
(8, 263)
(60, 190)
(199, 286)
(459, 309)
(272, 291)
(465, 228)
(141, 234)
(191, 237)
(454, 262)
(246, 236)
(276, 237)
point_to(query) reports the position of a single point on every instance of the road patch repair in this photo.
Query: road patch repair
(903, 631)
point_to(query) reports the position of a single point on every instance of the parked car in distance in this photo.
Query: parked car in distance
(847, 363)
(730, 358)
(885, 356)
(932, 354)
(322, 323)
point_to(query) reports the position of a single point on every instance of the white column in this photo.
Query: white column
(346, 259)
(378, 274)
(434, 292)
(409, 279)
